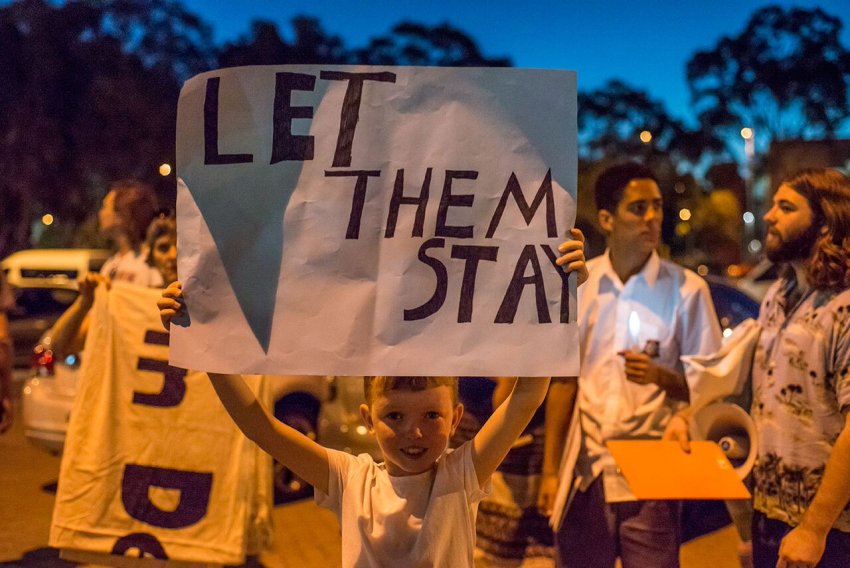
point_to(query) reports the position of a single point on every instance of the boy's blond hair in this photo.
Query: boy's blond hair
(374, 386)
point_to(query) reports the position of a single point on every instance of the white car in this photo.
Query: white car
(44, 283)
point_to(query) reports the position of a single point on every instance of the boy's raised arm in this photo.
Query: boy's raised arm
(302, 455)
(299, 453)
(494, 440)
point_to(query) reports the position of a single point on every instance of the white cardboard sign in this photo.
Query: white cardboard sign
(376, 220)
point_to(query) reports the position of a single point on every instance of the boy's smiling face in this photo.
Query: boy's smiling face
(412, 427)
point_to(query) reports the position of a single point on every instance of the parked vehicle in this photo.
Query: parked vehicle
(732, 304)
(44, 284)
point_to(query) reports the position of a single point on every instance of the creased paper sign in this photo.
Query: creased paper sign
(376, 220)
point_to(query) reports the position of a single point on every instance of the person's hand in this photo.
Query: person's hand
(572, 255)
(677, 431)
(170, 304)
(801, 548)
(640, 368)
(546, 494)
(87, 285)
(6, 414)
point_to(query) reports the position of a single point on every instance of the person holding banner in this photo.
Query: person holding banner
(801, 380)
(141, 429)
(418, 507)
(125, 215)
(128, 209)
(637, 315)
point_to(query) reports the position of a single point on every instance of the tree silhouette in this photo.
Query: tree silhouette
(611, 119)
(161, 33)
(87, 97)
(410, 43)
(406, 44)
(264, 46)
(90, 93)
(786, 75)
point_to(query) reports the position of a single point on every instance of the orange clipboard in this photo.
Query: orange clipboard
(661, 470)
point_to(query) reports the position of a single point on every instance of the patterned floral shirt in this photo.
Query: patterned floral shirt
(801, 392)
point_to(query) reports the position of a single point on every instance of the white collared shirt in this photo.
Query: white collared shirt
(675, 309)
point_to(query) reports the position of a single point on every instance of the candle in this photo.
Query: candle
(634, 330)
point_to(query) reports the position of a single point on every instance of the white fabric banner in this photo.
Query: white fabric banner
(376, 220)
(152, 462)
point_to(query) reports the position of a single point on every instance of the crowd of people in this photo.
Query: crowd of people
(418, 507)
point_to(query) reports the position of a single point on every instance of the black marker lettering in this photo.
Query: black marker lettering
(285, 145)
(358, 200)
(510, 303)
(513, 189)
(473, 255)
(439, 297)
(450, 200)
(398, 199)
(351, 109)
(211, 154)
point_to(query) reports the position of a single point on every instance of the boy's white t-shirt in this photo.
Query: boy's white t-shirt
(424, 520)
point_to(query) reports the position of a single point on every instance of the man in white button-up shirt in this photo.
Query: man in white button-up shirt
(637, 315)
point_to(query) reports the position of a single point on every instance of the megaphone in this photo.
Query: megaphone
(732, 429)
(735, 432)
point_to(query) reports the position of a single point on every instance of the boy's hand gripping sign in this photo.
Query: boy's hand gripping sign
(376, 220)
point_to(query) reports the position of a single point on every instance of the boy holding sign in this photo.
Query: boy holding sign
(418, 507)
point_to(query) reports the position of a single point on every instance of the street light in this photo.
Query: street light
(646, 136)
(748, 134)
(164, 169)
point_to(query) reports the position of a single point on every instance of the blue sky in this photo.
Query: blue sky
(646, 43)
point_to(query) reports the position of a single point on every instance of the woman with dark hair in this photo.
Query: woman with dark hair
(127, 210)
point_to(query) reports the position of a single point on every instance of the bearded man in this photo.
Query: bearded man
(801, 380)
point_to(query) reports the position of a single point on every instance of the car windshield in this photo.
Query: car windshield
(39, 302)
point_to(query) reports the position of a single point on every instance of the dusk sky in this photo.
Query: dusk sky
(646, 43)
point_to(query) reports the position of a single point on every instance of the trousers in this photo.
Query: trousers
(643, 534)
